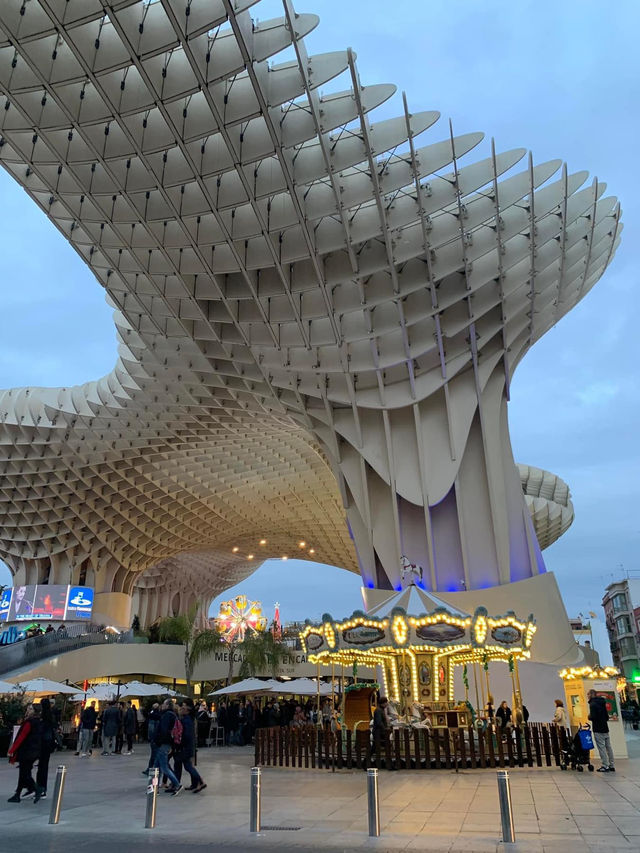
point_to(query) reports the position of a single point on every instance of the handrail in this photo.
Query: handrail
(25, 652)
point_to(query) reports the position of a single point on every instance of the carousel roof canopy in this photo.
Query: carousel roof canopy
(412, 599)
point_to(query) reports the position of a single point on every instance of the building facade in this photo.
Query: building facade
(621, 603)
(319, 313)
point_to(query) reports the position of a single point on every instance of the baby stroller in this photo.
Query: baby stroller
(577, 753)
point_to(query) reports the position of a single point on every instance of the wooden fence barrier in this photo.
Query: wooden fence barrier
(531, 745)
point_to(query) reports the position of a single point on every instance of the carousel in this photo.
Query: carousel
(415, 641)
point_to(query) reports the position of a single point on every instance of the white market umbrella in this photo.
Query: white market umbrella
(7, 687)
(161, 690)
(99, 693)
(301, 687)
(247, 685)
(43, 687)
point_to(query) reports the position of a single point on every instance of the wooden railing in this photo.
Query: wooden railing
(532, 745)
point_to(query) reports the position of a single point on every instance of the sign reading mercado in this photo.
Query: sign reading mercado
(46, 601)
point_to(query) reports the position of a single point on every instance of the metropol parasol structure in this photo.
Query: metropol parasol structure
(319, 312)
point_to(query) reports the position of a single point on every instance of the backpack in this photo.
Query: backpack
(176, 732)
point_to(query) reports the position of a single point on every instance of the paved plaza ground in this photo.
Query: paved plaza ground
(104, 809)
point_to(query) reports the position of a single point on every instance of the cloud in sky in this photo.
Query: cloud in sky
(558, 78)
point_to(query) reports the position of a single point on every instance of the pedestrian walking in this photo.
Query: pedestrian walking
(599, 723)
(185, 752)
(25, 750)
(120, 735)
(48, 731)
(87, 725)
(168, 736)
(152, 726)
(560, 715)
(130, 725)
(110, 727)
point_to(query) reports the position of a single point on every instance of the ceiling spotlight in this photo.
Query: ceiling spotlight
(285, 558)
(302, 544)
(312, 550)
(249, 556)
(263, 541)
(235, 550)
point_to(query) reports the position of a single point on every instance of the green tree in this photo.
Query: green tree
(262, 653)
(183, 629)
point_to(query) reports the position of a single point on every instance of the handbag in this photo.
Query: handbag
(586, 738)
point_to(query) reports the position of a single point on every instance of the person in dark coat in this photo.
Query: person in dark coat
(48, 730)
(120, 735)
(26, 750)
(165, 744)
(203, 723)
(88, 721)
(110, 726)
(185, 752)
(130, 725)
(153, 719)
(380, 729)
(599, 717)
(503, 714)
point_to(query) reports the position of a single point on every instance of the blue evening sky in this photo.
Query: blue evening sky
(559, 78)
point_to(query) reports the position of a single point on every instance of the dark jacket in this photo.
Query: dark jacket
(48, 730)
(188, 742)
(152, 724)
(504, 715)
(89, 718)
(380, 722)
(165, 727)
(110, 721)
(26, 746)
(598, 715)
(130, 721)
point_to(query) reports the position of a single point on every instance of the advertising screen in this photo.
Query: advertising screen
(79, 602)
(5, 603)
(46, 601)
(22, 603)
(50, 602)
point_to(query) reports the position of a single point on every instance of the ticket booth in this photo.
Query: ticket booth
(577, 684)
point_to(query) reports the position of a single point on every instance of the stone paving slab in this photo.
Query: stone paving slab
(104, 807)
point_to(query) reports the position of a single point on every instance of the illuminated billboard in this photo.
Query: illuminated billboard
(46, 601)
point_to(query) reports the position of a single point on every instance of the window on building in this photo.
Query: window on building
(623, 625)
(627, 647)
(619, 602)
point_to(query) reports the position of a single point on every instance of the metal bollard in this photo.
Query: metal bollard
(506, 807)
(58, 791)
(255, 807)
(152, 795)
(373, 802)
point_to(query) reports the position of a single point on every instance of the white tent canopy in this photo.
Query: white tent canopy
(301, 687)
(7, 687)
(43, 687)
(247, 685)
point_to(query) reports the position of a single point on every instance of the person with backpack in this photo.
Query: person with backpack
(168, 736)
(185, 752)
(48, 731)
(26, 750)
